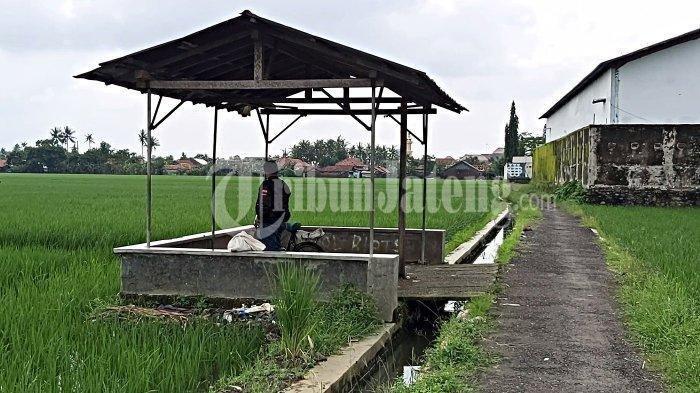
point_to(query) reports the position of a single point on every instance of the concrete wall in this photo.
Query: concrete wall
(580, 110)
(631, 163)
(352, 240)
(386, 241)
(661, 88)
(163, 271)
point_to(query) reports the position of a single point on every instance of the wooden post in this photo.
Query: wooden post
(402, 189)
(149, 146)
(257, 57)
(213, 180)
(425, 186)
(371, 174)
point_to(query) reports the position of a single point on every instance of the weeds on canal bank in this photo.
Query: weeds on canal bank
(654, 252)
(296, 289)
(451, 362)
(347, 316)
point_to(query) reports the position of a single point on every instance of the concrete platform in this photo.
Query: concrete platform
(446, 282)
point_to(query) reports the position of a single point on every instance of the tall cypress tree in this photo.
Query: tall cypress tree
(511, 131)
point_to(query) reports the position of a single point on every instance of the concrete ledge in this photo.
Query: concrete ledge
(161, 271)
(339, 240)
(465, 249)
(338, 370)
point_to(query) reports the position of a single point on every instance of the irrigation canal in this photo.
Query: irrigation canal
(421, 321)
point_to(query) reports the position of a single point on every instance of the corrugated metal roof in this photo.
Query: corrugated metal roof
(225, 52)
(618, 62)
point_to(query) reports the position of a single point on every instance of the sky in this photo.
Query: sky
(485, 54)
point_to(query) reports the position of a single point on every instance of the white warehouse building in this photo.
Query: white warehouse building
(659, 84)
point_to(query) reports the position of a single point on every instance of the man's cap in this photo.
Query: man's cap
(270, 167)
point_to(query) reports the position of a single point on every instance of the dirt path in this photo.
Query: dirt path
(558, 325)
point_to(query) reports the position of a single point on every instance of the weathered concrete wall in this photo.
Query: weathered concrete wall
(161, 271)
(352, 240)
(386, 241)
(657, 164)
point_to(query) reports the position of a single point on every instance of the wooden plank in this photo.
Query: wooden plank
(260, 84)
(380, 112)
(446, 282)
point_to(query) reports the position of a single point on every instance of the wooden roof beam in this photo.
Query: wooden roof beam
(261, 84)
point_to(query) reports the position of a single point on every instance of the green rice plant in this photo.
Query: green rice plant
(654, 251)
(57, 265)
(296, 289)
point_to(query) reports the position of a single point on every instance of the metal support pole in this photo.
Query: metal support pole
(402, 190)
(371, 173)
(213, 180)
(149, 146)
(425, 186)
(267, 137)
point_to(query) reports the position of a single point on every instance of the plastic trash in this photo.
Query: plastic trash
(309, 236)
(244, 311)
(410, 374)
(242, 241)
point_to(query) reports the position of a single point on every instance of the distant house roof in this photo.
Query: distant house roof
(449, 160)
(618, 62)
(3, 162)
(351, 161)
(499, 151)
(290, 162)
(189, 161)
(462, 164)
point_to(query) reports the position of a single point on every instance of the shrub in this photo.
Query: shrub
(571, 190)
(296, 288)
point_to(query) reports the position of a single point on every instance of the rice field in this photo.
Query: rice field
(657, 250)
(57, 268)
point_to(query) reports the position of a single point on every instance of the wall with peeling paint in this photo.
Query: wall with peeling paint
(628, 163)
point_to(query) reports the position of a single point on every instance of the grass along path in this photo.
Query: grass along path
(655, 253)
(452, 362)
(57, 266)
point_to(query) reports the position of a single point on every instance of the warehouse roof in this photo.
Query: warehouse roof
(618, 62)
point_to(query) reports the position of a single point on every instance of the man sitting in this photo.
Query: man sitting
(272, 208)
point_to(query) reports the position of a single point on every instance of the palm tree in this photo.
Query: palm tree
(142, 139)
(68, 135)
(90, 140)
(56, 135)
(154, 143)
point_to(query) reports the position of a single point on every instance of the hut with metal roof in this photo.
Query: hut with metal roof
(255, 66)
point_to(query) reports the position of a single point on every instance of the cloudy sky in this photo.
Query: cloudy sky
(483, 53)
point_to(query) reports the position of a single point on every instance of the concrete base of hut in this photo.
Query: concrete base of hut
(188, 266)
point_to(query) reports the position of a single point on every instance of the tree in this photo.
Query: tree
(90, 140)
(68, 136)
(154, 143)
(142, 139)
(527, 143)
(511, 135)
(57, 135)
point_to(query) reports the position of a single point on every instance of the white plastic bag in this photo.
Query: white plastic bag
(242, 241)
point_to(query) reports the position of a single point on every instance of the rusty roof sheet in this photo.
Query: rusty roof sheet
(224, 51)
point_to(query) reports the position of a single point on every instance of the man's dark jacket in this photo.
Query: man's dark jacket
(273, 201)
